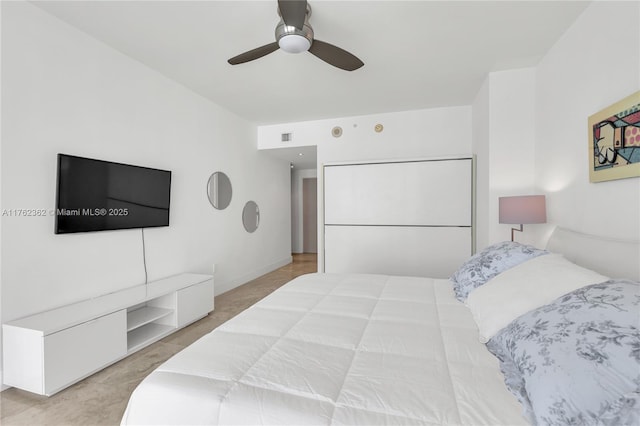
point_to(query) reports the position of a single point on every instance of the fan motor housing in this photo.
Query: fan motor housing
(290, 38)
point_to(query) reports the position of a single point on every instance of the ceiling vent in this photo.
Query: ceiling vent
(286, 137)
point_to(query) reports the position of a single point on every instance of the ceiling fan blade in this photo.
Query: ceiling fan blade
(335, 56)
(293, 12)
(256, 53)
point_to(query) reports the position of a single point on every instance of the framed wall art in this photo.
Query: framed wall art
(614, 141)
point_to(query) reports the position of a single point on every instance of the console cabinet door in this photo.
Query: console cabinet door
(194, 302)
(76, 352)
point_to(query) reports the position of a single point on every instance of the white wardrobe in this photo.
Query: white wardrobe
(399, 217)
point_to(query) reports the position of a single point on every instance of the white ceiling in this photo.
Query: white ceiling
(302, 158)
(417, 54)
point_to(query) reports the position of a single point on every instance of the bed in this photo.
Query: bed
(377, 349)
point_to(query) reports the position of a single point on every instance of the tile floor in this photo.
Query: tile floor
(101, 398)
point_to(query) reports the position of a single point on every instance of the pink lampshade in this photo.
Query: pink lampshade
(522, 209)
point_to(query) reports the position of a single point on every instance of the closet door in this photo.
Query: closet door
(395, 250)
(408, 218)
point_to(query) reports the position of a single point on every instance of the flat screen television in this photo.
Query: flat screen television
(96, 195)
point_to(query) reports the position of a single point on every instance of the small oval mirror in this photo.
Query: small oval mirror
(219, 190)
(251, 216)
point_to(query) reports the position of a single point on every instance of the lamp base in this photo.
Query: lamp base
(515, 229)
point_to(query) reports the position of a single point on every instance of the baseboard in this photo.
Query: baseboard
(3, 387)
(222, 287)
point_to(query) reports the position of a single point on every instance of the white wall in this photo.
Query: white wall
(503, 141)
(595, 64)
(297, 234)
(428, 133)
(419, 133)
(530, 130)
(66, 92)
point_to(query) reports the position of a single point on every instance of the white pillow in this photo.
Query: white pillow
(524, 287)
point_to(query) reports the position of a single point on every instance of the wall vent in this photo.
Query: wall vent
(286, 137)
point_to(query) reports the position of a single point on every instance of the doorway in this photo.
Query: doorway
(310, 215)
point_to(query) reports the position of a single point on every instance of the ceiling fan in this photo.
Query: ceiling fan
(295, 35)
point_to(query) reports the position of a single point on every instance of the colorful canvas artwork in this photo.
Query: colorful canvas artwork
(614, 141)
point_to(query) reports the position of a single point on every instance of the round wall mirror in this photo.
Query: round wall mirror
(219, 190)
(251, 216)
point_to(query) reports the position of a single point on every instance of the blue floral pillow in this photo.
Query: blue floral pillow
(577, 359)
(491, 261)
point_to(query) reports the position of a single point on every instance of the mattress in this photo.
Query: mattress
(335, 349)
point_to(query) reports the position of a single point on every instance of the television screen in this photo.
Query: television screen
(95, 195)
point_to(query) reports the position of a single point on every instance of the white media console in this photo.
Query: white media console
(47, 352)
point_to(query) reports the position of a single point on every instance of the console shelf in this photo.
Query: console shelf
(148, 333)
(47, 352)
(144, 315)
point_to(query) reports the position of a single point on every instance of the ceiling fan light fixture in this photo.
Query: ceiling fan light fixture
(294, 43)
(295, 35)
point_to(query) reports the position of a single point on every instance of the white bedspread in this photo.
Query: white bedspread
(335, 349)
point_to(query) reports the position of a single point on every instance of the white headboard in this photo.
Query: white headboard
(612, 257)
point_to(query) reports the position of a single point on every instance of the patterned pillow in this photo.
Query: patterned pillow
(483, 266)
(577, 359)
